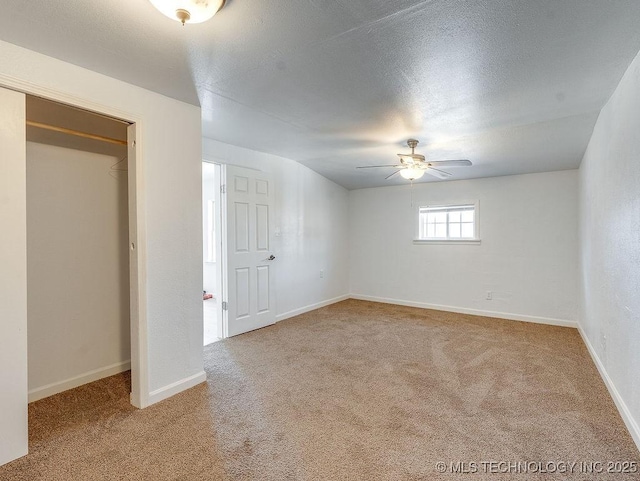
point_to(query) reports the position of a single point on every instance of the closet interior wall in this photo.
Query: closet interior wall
(78, 327)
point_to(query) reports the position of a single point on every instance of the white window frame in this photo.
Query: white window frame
(470, 241)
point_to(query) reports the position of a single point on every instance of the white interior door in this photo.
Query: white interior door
(250, 298)
(13, 282)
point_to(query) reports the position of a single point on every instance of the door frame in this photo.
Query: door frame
(137, 215)
(221, 254)
(222, 269)
(224, 251)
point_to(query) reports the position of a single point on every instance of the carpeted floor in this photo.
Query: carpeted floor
(353, 391)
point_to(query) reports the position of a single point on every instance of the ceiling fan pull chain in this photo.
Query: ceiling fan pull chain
(411, 192)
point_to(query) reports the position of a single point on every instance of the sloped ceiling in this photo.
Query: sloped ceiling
(513, 85)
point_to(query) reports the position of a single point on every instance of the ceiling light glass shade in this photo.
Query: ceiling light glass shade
(412, 173)
(188, 11)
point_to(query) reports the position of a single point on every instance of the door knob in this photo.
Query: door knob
(271, 257)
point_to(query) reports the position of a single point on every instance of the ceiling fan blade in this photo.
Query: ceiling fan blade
(389, 176)
(450, 163)
(376, 166)
(440, 174)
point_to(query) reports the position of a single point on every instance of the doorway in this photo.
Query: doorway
(238, 252)
(212, 281)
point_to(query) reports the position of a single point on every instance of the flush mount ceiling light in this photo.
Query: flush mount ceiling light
(189, 11)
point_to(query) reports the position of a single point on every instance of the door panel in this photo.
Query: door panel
(13, 282)
(243, 294)
(241, 210)
(251, 297)
(262, 227)
(263, 288)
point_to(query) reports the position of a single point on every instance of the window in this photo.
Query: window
(453, 223)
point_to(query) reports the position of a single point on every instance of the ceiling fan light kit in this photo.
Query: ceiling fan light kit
(412, 173)
(413, 166)
(189, 11)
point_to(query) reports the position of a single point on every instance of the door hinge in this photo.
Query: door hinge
(224, 305)
(223, 189)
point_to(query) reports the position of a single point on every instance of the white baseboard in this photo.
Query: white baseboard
(310, 307)
(85, 378)
(626, 415)
(176, 387)
(476, 312)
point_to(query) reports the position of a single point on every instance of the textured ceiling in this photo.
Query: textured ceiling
(513, 85)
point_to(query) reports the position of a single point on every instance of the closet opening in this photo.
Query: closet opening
(79, 248)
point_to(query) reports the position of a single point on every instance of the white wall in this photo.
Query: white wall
(170, 243)
(610, 253)
(527, 257)
(78, 268)
(312, 222)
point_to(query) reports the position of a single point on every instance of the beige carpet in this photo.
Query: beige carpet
(353, 391)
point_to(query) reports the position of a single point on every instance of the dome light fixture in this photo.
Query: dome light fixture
(189, 11)
(412, 173)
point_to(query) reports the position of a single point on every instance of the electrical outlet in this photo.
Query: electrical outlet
(489, 295)
(321, 273)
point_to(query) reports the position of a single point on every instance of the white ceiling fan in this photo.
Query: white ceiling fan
(413, 166)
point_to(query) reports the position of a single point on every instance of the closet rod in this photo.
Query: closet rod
(40, 125)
